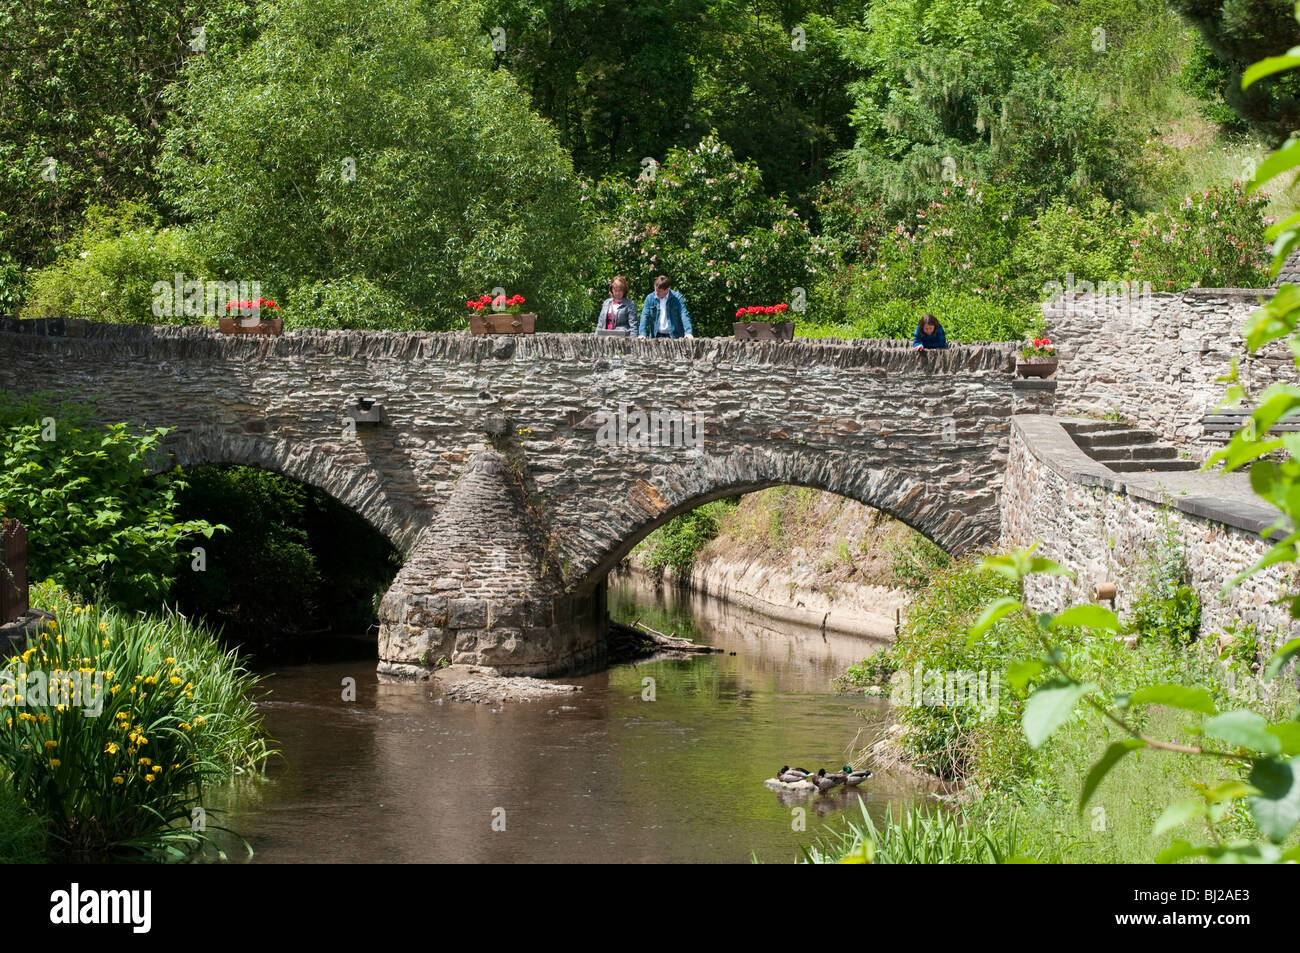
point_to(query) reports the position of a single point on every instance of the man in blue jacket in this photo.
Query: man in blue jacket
(664, 313)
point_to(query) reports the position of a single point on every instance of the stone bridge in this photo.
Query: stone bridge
(508, 469)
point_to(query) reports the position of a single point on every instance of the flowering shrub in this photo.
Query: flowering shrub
(1041, 347)
(1213, 239)
(759, 310)
(113, 724)
(498, 305)
(703, 219)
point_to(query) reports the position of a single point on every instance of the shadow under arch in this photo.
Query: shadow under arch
(955, 523)
(356, 488)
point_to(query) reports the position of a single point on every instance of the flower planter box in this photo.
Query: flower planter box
(1045, 368)
(236, 326)
(503, 323)
(763, 330)
(13, 570)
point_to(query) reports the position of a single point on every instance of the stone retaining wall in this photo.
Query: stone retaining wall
(1098, 524)
(1154, 358)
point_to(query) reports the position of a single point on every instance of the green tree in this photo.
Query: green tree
(960, 88)
(422, 170)
(1240, 32)
(81, 105)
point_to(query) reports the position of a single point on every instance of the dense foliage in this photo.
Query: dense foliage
(101, 524)
(623, 82)
(676, 544)
(109, 266)
(82, 106)
(294, 559)
(423, 172)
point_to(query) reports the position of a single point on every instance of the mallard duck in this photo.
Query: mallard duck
(852, 778)
(825, 782)
(789, 775)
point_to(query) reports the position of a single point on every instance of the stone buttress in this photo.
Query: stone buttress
(478, 589)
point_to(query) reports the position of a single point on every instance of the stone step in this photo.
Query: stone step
(1110, 438)
(1164, 466)
(1093, 426)
(1141, 451)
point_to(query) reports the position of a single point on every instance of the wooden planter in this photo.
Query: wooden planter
(235, 326)
(503, 323)
(763, 330)
(13, 570)
(1041, 368)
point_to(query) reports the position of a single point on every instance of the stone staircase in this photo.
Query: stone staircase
(1125, 449)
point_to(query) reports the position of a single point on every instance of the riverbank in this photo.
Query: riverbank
(794, 555)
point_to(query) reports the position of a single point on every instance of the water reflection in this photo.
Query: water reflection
(603, 775)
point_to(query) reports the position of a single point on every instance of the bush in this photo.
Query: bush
(160, 712)
(955, 263)
(703, 220)
(351, 303)
(1088, 241)
(98, 522)
(963, 741)
(916, 560)
(1166, 609)
(110, 266)
(676, 544)
(1213, 239)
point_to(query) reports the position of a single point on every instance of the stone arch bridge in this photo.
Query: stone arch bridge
(515, 472)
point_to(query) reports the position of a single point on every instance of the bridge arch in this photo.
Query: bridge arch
(356, 487)
(647, 504)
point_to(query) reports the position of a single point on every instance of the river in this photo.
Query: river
(604, 775)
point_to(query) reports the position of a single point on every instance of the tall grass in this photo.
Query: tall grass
(160, 712)
(22, 833)
(924, 835)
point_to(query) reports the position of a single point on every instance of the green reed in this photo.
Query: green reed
(114, 724)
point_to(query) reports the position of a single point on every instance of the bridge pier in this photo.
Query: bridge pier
(480, 588)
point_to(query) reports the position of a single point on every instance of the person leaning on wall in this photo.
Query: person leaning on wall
(929, 334)
(664, 313)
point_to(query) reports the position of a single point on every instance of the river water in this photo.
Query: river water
(603, 775)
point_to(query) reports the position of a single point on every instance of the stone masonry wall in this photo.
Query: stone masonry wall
(1154, 358)
(1100, 532)
(921, 436)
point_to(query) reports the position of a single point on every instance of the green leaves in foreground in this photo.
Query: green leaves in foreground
(1049, 707)
(1249, 740)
